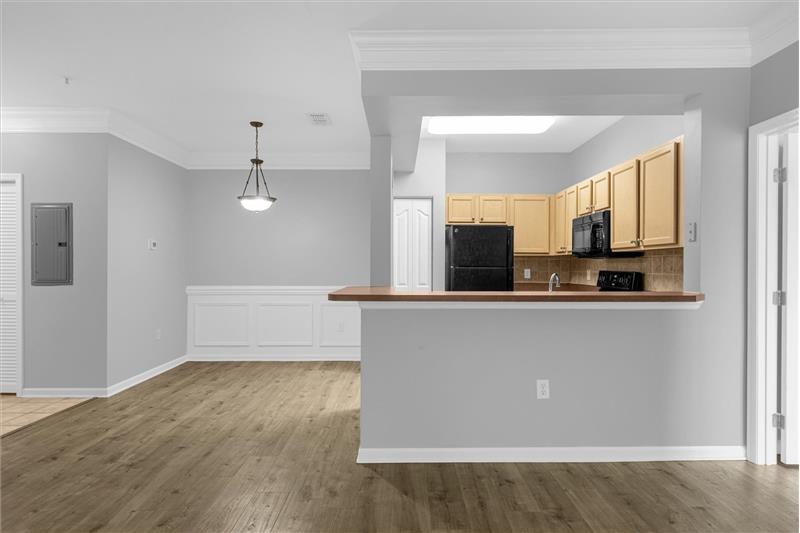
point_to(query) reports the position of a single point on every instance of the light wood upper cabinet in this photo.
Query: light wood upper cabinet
(559, 218)
(530, 216)
(658, 197)
(570, 213)
(585, 197)
(625, 206)
(601, 192)
(492, 209)
(462, 209)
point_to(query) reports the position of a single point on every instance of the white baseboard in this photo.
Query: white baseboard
(270, 357)
(551, 454)
(63, 392)
(102, 392)
(144, 376)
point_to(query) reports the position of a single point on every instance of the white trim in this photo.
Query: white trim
(619, 306)
(20, 384)
(355, 356)
(259, 290)
(144, 376)
(774, 32)
(559, 49)
(761, 368)
(103, 392)
(567, 454)
(65, 392)
(101, 120)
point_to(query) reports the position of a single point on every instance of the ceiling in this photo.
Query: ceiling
(565, 135)
(197, 72)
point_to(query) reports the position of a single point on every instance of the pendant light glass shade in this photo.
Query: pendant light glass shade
(262, 199)
(251, 202)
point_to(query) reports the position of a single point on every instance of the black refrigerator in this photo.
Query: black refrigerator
(479, 258)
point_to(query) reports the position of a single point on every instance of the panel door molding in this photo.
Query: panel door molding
(601, 191)
(530, 216)
(625, 206)
(412, 261)
(11, 283)
(462, 209)
(658, 197)
(284, 324)
(492, 209)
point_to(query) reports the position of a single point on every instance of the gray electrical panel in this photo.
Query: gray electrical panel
(51, 249)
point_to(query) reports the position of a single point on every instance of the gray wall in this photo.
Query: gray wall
(507, 173)
(774, 85)
(689, 366)
(428, 180)
(472, 375)
(147, 199)
(65, 326)
(381, 175)
(317, 233)
(623, 140)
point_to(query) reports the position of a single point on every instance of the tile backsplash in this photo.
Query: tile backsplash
(662, 269)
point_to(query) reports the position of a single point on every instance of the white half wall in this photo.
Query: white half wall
(270, 323)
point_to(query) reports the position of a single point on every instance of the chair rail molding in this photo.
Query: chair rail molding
(561, 49)
(270, 323)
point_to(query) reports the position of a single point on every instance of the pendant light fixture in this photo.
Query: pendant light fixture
(261, 200)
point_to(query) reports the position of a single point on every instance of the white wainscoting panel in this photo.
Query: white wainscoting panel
(271, 323)
(220, 324)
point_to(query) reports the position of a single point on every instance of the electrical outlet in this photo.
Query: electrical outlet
(588, 275)
(158, 334)
(542, 389)
(526, 273)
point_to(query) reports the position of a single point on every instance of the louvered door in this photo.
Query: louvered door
(10, 281)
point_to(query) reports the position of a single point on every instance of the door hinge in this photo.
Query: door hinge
(779, 298)
(778, 421)
(779, 175)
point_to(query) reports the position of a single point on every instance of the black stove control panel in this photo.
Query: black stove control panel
(610, 280)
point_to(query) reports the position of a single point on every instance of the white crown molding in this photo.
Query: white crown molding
(99, 120)
(575, 49)
(774, 32)
(280, 160)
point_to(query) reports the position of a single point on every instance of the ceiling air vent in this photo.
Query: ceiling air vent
(319, 119)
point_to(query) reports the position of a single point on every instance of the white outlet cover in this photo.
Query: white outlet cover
(526, 273)
(542, 389)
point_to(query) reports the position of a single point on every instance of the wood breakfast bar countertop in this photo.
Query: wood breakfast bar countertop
(566, 293)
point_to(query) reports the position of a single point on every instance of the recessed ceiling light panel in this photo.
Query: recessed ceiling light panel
(484, 125)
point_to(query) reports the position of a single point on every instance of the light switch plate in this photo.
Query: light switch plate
(152, 244)
(691, 229)
(526, 273)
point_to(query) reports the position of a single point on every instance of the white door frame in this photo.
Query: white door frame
(433, 207)
(762, 363)
(17, 178)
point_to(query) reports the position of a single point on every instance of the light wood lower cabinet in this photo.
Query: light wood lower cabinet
(530, 216)
(462, 209)
(658, 197)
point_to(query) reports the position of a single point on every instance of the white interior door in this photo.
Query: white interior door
(412, 242)
(790, 322)
(10, 283)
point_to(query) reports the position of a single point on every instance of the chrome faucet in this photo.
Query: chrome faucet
(553, 278)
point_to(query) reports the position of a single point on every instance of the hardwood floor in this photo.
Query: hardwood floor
(271, 447)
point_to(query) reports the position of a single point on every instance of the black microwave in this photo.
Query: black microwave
(591, 236)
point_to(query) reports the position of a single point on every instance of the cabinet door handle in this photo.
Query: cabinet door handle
(481, 219)
(636, 241)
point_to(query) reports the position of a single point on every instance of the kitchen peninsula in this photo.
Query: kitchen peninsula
(456, 376)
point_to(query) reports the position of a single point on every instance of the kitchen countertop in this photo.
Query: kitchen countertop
(567, 293)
